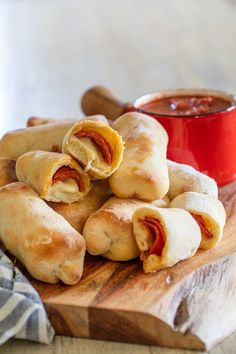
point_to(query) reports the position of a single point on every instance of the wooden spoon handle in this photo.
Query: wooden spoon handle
(100, 100)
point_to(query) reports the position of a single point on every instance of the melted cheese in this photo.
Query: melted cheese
(88, 154)
(66, 191)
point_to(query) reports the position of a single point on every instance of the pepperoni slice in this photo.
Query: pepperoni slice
(155, 228)
(100, 142)
(202, 225)
(66, 172)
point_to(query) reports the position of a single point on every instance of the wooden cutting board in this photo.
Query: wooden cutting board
(191, 305)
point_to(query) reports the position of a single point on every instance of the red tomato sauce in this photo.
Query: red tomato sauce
(186, 105)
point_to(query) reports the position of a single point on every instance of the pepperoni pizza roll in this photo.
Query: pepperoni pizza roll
(47, 137)
(55, 177)
(143, 173)
(109, 231)
(97, 147)
(164, 236)
(7, 171)
(184, 178)
(37, 236)
(207, 211)
(77, 213)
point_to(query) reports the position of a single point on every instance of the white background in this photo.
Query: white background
(52, 50)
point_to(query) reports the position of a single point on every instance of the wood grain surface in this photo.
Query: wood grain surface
(51, 51)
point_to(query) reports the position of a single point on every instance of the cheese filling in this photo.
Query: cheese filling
(101, 144)
(65, 191)
(67, 183)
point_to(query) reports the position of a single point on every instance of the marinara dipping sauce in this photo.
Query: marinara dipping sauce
(201, 125)
(186, 105)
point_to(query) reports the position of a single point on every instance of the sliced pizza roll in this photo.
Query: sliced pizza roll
(143, 173)
(42, 240)
(7, 171)
(164, 236)
(77, 213)
(109, 231)
(184, 178)
(55, 177)
(97, 147)
(207, 211)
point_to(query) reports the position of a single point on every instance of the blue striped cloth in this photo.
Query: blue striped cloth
(22, 314)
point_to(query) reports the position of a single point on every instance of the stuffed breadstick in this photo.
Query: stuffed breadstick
(47, 137)
(207, 211)
(109, 232)
(184, 178)
(97, 147)
(55, 177)
(7, 171)
(143, 173)
(77, 213)
(164, 236)
(41, 239)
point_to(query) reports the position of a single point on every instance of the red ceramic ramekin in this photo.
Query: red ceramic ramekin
(205, 141)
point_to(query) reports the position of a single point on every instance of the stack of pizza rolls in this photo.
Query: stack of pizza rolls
(42, 216)
(75, 185)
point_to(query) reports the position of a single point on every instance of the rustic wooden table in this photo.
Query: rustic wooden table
(52, 50)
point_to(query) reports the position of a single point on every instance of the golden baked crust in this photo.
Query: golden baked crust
(209, 208)
(84, 151)
(46, 137)
(77, 213)
(7, 171)
(37, 168)
(184, 178)
(109, 231)
(143, 173)
(41, 239)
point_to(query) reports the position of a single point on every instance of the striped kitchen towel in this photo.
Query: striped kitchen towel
(22, 314)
